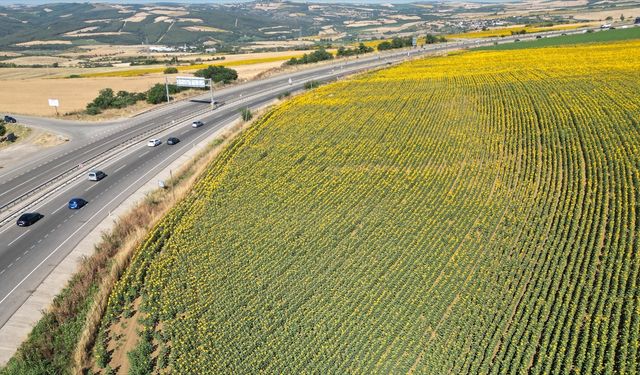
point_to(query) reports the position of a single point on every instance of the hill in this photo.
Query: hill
(475, 213)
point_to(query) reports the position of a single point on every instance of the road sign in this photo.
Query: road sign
(196, 82)
(54, 103)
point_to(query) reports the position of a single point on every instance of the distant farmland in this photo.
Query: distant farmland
(476, 213)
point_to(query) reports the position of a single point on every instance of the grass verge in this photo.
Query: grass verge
(21, 131)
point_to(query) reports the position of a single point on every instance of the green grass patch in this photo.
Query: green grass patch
(21, 131)
(595, 37)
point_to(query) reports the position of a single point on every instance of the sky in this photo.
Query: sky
(39, 2)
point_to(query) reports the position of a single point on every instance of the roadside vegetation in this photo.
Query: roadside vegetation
(11, 133)
(465, 214)
(360, 50)
(217, 74)
(408, 42)
(309, 58)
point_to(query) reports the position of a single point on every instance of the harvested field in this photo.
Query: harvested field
(36, 60)
(207, 29)
(43, 43)
(30, 94)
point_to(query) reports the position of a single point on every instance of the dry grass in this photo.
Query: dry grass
(36, 60)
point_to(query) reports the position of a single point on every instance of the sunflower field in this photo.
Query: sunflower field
(475, 213)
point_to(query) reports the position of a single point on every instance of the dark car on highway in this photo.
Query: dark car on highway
(28, 218)
(9, 119)
(77, 203)
(172, 141)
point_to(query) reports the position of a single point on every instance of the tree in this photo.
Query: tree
(158, 93)
(3, 129)
(171, 70)
(217, 74)
(315, 56)
(386, 45)
(103, 100)
(246, 114)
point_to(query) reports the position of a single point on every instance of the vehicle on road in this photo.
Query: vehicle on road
(29, 218)
(96, 175)
(172, 141)
(77, 203)
(9, 119)
(154, 142)
(197, 124)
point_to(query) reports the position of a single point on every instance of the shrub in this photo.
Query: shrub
(3, 129)
(106, 99)
(93, 110)
(217, 74)
(171, 70)
(246, 114)
(311, 85)
(158, 93)
(319, 55)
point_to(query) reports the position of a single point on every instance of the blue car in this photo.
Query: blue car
(77, 203)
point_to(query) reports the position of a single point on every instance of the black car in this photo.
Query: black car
(29, 218)
(9, 119)
(172, 141)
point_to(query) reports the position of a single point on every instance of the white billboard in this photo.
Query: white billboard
(54, 103)
(196, 82)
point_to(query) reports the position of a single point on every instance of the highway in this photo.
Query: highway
(28, 255)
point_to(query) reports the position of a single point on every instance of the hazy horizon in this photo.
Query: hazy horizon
(42, 2)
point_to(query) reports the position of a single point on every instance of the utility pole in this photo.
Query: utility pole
(211, 91)
(166, 86)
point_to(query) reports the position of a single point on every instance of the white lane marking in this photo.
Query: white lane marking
(18, 258)
(90, 187)
(58, 209)
(17, 238)
(143, 154)
(6, 229)
(119, 168)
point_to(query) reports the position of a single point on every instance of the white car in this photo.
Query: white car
(154, 142)
(197, 124)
